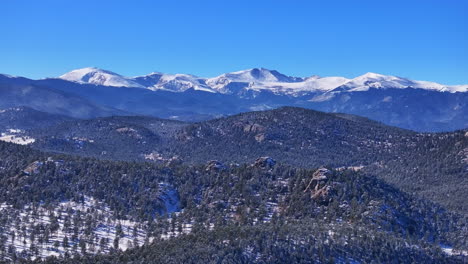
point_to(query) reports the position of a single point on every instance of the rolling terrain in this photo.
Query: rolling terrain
(64, 209)
(433, 165)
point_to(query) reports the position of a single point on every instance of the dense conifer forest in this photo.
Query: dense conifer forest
(433, 165)
(263, 211)
(288, 185)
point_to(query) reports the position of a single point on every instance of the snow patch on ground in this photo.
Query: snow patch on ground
(71, 228)
(16, 136)
(453, 252)
(39, 232)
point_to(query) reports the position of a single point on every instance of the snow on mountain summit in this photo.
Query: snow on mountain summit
(256, 79)
(172, 82)
(380, 81)
(261, 75)
(98, 76)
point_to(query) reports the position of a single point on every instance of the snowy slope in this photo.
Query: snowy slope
(254, 75)
(97, 76)
(312, 84)
(172, 82)
(257, 79)
(379, 81)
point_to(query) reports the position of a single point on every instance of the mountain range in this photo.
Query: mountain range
(256, 79)
(273, 186)
(93, 92)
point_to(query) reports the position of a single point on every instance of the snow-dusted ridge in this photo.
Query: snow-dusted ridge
(379, 81)
(97, 76)
(256, 79)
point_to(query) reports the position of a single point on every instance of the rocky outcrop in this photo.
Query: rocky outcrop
(253, 128)
(33, 168)
(131, 132)
(264, 162)
(318, 185)
(322, 194)
(318, 178)
(260, 137)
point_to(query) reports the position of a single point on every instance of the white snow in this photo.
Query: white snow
(180, 83)
(21, 140)
(97, 76)
(16, 136)
(256, 79)
(379, 81)
(451, 251)
(254, 75)
(106, 228)
(317, 84)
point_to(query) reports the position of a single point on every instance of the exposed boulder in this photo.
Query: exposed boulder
(131, 132)
(322, 194)
(319, 187)
(260, 137)
(264, 162)
(253, 128)
(33, 168)
(321, 174)
(318, 178)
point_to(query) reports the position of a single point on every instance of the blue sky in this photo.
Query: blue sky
(419, 39)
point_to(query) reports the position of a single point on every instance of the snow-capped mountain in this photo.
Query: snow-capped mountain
(263, 79)
(92, 92)
(256, 79)
(378, 81)
(172, 82)
(254, 75)
(97, 76)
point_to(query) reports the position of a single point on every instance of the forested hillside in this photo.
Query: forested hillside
(64, 206)
(433, 165)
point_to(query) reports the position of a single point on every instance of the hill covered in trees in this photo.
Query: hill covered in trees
(430, 164)
(262, 211)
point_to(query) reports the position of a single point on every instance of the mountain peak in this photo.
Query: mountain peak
(255, 75)
(253, 79)
(93, 75)
(373, 75)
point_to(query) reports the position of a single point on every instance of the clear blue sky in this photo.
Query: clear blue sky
(419, 39)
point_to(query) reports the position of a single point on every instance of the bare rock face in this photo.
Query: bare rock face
(322, 194)
(131, 132)
(318, 178)
(264, 162)
(253, 128)
(214, 165)
(260, 137)
(33, 168)
(321, 174)
(318, 186)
